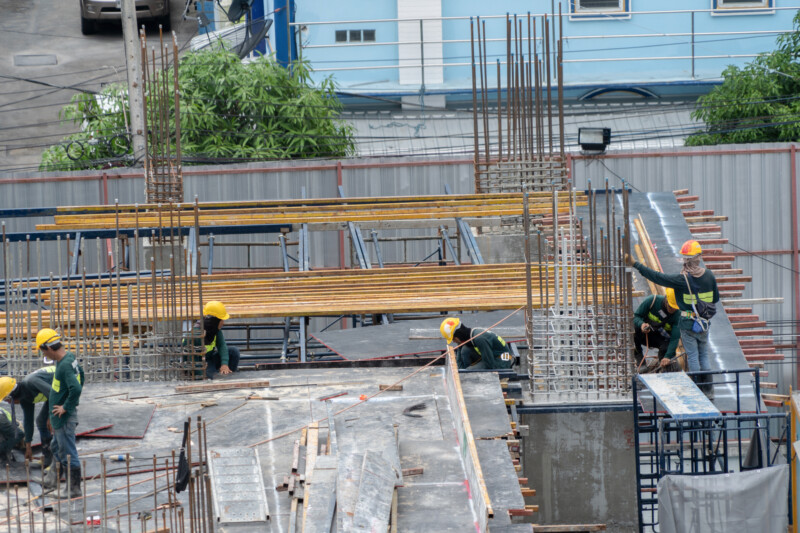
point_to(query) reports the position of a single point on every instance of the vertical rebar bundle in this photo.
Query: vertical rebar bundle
(527, 152)
(579, 342)
(162, 165)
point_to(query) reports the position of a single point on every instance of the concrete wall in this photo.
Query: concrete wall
(583, 467)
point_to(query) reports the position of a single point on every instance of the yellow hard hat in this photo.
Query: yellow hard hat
(691, 248)
(7, 385)
(671, 298)
(448, 328)
(46, 336)
(216, 309)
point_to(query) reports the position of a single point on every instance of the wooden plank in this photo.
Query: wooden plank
(391, 387)
(312, 447)
(293, 516)
(375, 493)
(321, 496)
(227, 385)
(467, 449)
(394, 512)
(577, 528)
(296, 456)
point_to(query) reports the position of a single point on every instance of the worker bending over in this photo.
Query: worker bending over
(65, 394)
(10, 434)
(696, 294)
(656, 325)
(32, 389)
(481, 348)
(219, 356)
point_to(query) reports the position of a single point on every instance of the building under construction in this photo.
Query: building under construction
(348, 411)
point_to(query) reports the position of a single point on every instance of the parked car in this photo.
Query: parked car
(96, 11)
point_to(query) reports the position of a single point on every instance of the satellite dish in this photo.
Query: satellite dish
(238, 9)
(257, 31)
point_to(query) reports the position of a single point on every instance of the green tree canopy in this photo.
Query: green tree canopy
(757, 103)
(230, 111)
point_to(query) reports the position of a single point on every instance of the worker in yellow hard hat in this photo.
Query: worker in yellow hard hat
(219, 356)
(10, 434)
(65, 395)
(696, 294)
(480, 349)
(656, 326)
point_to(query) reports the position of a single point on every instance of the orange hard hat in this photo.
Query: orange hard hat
(691, 248)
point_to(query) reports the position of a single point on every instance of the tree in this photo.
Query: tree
(757, 103)
(230, 111)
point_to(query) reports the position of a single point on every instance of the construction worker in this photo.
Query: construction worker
(10, 434)
(65, 394)
(696, 294)
(32, 389)
(219, 356)
(656, 324)
(481, 348)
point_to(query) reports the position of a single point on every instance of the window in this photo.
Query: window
(599, 8)
(740, 5)
(355, 36)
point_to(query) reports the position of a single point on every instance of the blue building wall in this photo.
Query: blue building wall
(590, 63)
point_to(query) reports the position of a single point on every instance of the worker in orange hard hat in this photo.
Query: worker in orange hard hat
(480, 349)
(696, 294)
(656, 325)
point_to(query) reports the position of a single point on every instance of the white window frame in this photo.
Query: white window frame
(754, 7)
(577, 13)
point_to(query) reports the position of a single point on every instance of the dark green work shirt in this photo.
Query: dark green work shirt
(489, 348)
(32, 389)
(65, 389)
(652, 311)
(704, 288)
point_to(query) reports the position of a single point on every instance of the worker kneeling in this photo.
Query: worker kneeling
(10, 434)
(656, 325)
(479, 348)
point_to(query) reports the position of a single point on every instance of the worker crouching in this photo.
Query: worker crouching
(656, 325)
(220, 358)
(10, 433)
(478, 348)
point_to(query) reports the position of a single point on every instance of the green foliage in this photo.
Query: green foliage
(756, 103)
(229, 111)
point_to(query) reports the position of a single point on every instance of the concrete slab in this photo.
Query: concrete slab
(437, 500)
(394, 339)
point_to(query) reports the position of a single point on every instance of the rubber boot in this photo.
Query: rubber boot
(50, 478)
(75, 482)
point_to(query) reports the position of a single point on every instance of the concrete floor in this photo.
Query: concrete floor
(436, 500)
(29, 111)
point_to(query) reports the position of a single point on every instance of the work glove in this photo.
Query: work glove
(629, 260)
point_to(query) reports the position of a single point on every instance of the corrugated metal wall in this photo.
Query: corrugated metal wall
(749, 183)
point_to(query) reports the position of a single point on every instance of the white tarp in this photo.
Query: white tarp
(756, 500)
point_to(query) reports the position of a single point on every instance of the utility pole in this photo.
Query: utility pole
(133, 61)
